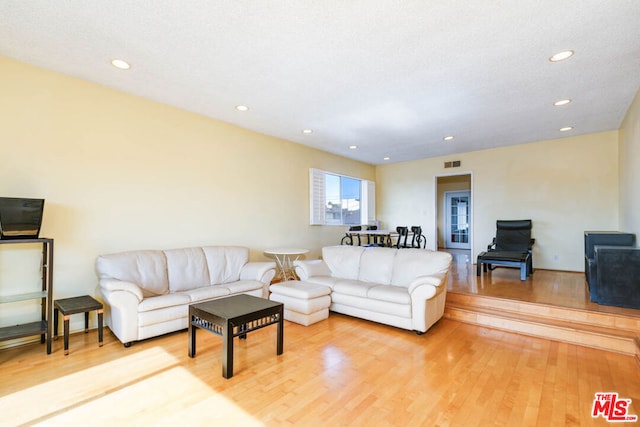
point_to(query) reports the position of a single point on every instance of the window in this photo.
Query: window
(340, 200)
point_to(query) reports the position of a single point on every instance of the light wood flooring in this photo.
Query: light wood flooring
(563, 289)
(338, 372)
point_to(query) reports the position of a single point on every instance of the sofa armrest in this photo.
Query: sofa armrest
(433, 280)
(121, 308)
(112, 285)
(261, 271)
(316, 267)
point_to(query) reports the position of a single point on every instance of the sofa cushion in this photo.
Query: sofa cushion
(206, 292)
(243, 286)
(225, 262)
(352, 287)
(376, 265)
(187, 269)
(369, 304)
(163, 315)
(343, 261)
(410, 264)
(396, 294)
(163, 301)
(147, 269)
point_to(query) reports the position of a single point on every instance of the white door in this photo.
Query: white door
(457, 219)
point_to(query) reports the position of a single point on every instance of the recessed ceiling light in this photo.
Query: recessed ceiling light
(353, 147)
(242, 108)
(386, 158)
(307, 131)
(562, 102)
(566, 128)
(119, 63)
(448, 138)
(561, 56)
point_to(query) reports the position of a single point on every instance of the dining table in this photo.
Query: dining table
(384, 236)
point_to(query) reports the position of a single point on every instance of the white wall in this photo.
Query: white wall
(121, 173)
(630, 170)
(566, 186)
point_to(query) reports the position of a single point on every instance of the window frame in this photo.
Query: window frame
(318, 198)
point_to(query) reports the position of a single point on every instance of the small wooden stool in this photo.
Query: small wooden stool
(69, 306)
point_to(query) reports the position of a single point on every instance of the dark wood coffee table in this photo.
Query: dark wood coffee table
(232, 317)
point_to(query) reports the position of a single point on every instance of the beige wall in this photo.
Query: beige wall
(119, 173)
(566, 186)
(630, 169)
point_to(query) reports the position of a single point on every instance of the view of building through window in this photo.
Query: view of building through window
(336, 199)
(343, 196)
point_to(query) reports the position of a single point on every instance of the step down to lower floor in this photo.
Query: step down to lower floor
(604, 331)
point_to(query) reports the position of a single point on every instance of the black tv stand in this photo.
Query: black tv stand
(44, 326)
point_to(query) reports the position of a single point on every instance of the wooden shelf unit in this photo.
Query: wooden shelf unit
(43, 327)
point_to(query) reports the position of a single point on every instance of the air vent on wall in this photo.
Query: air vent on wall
(453, 164)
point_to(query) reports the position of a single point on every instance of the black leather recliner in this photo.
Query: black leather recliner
(511, 247)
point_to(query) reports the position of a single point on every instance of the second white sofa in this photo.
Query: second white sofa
(405, 288)
(148, 292)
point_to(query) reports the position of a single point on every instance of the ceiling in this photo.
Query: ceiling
(391, 77)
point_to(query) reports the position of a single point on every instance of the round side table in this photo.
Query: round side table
(284, 260)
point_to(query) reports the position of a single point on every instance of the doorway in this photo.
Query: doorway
(457, 230)
(462, 237)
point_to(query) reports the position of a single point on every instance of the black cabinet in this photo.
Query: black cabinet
(594, 238)
(44, 326)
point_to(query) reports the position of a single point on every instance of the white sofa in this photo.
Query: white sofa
(148, 292)
(405, 288)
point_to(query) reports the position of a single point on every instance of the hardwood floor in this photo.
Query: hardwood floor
(548, 304)
(342, 371)
(564, 289)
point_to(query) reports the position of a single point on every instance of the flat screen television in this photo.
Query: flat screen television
(20, 218)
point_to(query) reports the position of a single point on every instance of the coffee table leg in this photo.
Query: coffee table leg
(66, 335)
(227, 350)
(280, 346)
(192, 339)
(100, 335)
(55, 323)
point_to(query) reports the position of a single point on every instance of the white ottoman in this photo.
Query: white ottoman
(304, 303)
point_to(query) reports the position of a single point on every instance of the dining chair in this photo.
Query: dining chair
(403, 235)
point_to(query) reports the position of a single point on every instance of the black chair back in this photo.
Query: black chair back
(403, 234)
(513, 235)
(418, 241)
